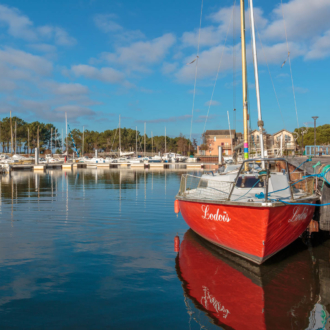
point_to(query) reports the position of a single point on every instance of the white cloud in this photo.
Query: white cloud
(45, 48)
(59, 35)
(106, 23)
(169, 67)
(20, 26)
(70, 89)
(142, 53)
(303, 19)
(105, 74)
(212, 103)
(19, 59)
(320, 48)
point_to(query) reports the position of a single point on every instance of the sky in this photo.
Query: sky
(98, 59)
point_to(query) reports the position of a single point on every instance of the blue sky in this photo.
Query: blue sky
(99, 59)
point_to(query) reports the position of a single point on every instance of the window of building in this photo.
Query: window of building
(222, 144)
(215, 138)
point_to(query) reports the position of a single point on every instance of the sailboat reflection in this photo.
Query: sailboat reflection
(235, 294)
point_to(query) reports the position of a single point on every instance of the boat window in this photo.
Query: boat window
(249, 182)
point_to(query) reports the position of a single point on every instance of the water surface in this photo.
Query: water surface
(93, 249)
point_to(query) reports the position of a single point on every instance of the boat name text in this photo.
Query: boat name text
(299, 216)
(214, 216)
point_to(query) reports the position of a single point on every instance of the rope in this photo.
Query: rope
(287, 45)
(216, 77)
(278, 103)
(197, 56)
(246, 192)
(308, 160)
(309, 204)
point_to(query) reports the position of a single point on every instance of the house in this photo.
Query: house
(288, 140)
(219, 138)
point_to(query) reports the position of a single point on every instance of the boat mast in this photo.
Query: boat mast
(144, 139)
(15, 137)
(256, 75)
(136, 142)
(66, 134)
(83, 141)
(244, 85)
(231, 140)
(11, 134)
(119, 138)
(165, 139)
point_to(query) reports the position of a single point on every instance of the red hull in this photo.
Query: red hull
(234, 297)
(255, 233)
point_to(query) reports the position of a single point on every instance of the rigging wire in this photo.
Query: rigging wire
(216, 78)
(234, 73)
(278, 103)
(287, 45)
(197, 56)
(113, 141)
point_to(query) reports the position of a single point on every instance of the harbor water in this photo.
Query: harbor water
(94, 249)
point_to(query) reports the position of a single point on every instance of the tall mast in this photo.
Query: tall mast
(38, 144)
(256, 75)
(15, 137)
(51, 141)
(83, 141)
(28, 141)
(11, 134)
(231, 140)
(144, 139)
(136, 141)
(66, 134)
(62, 141)
(244, 85)
(165, 139)
(152, 144)
(119, 138)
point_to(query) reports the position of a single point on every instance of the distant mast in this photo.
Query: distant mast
(66, 133)
(165, 139)
(83, 141)
(11, 134)
(256, 75)
(119, 138)
(136, 141)
(244, 85)
(231, 140)
(144, 139)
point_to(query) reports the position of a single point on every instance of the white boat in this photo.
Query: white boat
(135, 160)
(95, 160)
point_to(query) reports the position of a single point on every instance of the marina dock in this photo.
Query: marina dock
(159, 166)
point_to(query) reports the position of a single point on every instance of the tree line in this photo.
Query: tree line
(17, 135)
(305, 136)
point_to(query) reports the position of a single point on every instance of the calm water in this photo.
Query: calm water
(93, 249)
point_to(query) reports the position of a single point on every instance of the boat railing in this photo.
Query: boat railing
(195, 187)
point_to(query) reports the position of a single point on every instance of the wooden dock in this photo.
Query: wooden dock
(143, 166)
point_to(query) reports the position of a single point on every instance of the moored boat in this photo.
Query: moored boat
(258, 210)
(254, 216)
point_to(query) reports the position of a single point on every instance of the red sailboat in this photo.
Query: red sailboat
(256, 211)
(235, 294)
